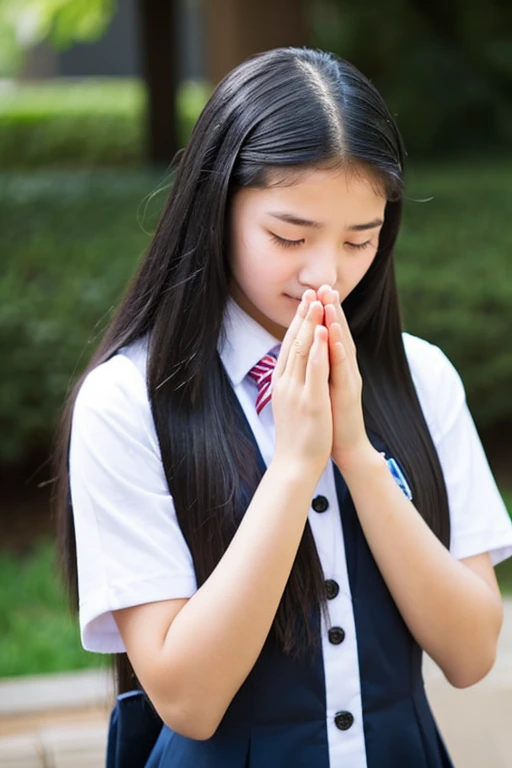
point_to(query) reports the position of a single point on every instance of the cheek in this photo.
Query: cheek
(244, 253)
(364, 264)
(256, 258)
(354, 269)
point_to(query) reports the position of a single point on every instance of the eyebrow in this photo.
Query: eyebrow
(291, 219)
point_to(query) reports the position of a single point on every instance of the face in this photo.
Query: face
(321, 230)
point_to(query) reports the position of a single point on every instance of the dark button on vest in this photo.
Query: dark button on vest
(320, 504)
(336, 635)
(332, 589)
(344, 720)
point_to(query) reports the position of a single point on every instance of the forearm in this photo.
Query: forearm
(216, 638)
(451, 611)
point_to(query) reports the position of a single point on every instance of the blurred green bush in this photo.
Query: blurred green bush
(83, 123)
(62, 123)
(38, 632)
(454, 275)
(70, 241)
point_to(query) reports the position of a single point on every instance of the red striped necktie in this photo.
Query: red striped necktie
(261, 373)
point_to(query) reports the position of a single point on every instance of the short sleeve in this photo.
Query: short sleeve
(479, 519)
(130, 548)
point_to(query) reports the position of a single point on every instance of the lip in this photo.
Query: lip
(292, 298)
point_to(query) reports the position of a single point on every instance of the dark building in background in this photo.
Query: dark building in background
(117, 52)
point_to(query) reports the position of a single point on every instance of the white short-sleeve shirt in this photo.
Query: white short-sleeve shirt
(130, 548)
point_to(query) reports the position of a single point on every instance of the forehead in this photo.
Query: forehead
(317, 194)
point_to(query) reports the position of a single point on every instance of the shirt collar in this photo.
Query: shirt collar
(243, 342)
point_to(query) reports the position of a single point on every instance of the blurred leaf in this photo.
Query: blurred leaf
(62, 22)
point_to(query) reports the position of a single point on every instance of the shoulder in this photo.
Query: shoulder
(119, 379)
(114, 396)
(437, 382)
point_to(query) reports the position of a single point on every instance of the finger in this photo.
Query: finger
(347, 339)
(291, 335)
(332, 306)
(317, 369)
(299, 352)
(332, 319)
(331, 315)
(326, 294)
(340, 360)
(309, 294)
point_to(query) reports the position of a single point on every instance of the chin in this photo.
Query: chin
(276, 324)
(274, 316)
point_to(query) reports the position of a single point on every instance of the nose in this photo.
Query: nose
(321, 268)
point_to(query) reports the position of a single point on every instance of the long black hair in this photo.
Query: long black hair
(284, 109)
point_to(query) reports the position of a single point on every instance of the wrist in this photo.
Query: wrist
(295, 471)
(358, 461)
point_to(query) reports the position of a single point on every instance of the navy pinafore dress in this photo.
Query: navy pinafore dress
(278, 717)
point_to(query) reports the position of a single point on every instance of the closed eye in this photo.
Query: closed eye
(294, 243)
(285, 243)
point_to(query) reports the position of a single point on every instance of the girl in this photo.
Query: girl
(278, 498)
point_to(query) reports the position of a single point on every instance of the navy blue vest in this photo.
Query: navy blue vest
(277, 719)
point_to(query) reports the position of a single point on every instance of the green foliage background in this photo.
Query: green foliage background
(38, 633)
(84, 124)
(71, 240)
(72, 233)
(443, 66)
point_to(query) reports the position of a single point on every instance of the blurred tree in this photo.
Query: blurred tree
(64, 22)
(160, 49)
(237, 29)
(444, 66)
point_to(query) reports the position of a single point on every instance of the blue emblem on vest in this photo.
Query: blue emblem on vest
(398, 475)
